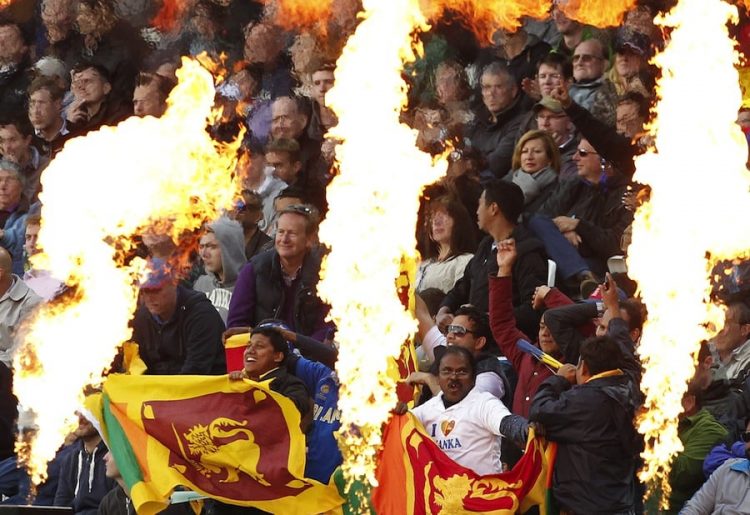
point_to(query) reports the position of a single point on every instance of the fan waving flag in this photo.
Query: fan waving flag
(235, 441)
(415, 477)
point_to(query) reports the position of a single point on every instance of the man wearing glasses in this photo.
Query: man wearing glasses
(467, 424)
(589, 64)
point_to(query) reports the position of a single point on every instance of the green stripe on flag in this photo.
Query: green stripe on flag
(120, 447)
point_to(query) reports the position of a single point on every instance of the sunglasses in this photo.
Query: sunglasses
(745, 436)
(583, 152)
(459, 330)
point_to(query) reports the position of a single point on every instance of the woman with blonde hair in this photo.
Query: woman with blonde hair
(535, 165)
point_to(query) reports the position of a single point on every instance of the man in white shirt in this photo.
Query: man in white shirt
(465, 423)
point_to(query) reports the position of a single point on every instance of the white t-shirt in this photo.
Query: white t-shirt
(468, 432)
(485, 382)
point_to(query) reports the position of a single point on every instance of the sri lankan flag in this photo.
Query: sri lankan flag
(416, 477)
(235, 441)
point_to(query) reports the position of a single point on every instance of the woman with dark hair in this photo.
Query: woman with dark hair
(448, 243)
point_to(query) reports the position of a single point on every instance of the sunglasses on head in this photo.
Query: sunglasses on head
(458, 329)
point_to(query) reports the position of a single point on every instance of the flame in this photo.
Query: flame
(294, 14)
(600, 13)
(144, 169)
(169, 15)
(690, 222)
(370, 225)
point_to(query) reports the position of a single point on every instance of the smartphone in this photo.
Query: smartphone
(617, 265)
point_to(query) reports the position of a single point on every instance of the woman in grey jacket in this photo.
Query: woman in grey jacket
(536, 165)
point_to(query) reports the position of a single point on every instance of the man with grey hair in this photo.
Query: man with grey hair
(591, 86)
(14, 208)
(494, 129)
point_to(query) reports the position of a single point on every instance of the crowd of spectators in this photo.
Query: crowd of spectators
(543, 124)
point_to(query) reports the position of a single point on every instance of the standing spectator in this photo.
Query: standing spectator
(45, 114)
(83, 481)
(14, 64)
(500, 206)
(14, 208)
(494, 130)
(177, 330)
(16, 135)
(536, 165)
(222, 249)
(447, 245)
(280, 283)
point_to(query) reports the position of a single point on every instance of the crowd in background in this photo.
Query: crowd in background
(544, 123)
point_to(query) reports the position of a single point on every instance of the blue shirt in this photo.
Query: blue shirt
(323, 455)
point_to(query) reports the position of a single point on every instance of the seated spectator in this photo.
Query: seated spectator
(726, 490)
(632, 114)
(45, 115)
(630, 71)
(286, 198)
(554, 71)
(222, 249)
(95, 104)
(447, 245)
(572, 32)
(470, 329)
(588, 410)
(494, 129)
(40, 281)
(14, 208)
(591, 90)
(500, 206)
(530, 371)
(536, 165)
(552, 119)
(62, 41)
(281, 282)
(322, 118)
(83, 482)
(16, 135)
(290, 117)
(249, 212)
(518, 49)
(14, 65)
(725, 451)
(732, 343)
(479, 419)
(283, 155)
(150, 94)
(582, 222)
(178, 331)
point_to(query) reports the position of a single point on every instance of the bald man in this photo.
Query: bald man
(17, 301)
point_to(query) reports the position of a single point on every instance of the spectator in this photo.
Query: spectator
(62, 42)
(290, 118)
(724, 451)
(95, 104)
(590, 86)
(281, 282)
(629, 73)
(40, 281)
(536, 165)
(588, 410)
(726, 490)
(15, 145)
(286, 198)
(83, 481)
(447, 245)
(519, 50)
(45, 115)
(249, 212)
(573, 32)
(14, 64)
(150, 95)
(177, 330)
(323, 118)
(500, 206)
(14, 208)
(582, 222)
(497, 121)
(222, 249)
(552, 119)
(732, 343)
(554, 71)
(478, 419)
(632, 113)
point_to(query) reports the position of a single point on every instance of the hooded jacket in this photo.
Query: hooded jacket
(232, 245)
(83, 482)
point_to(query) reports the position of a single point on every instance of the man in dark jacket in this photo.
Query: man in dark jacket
(280, 283)
(14, 63)
(497, 122)
(588, 410)
(500, 206)
(178, 331)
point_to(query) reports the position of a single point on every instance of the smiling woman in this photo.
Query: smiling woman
(536, 166)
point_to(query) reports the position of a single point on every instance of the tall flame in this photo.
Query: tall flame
(143, 170)
(370, 226)
(694, 217)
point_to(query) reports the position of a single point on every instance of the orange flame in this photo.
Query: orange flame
(145, 169)
(171, 12)
(599, 13)
(370, 225)
(689, 223)
(296, 14)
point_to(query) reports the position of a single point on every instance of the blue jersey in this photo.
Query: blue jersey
(323, 455)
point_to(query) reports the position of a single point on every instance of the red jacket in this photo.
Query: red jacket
(530, 372)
